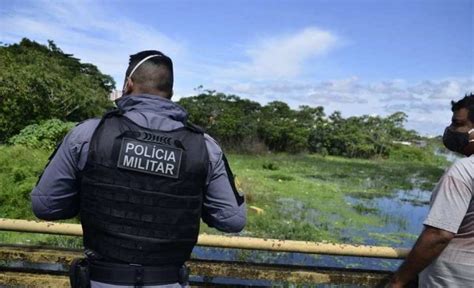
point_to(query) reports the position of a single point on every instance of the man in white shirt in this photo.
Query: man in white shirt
(443, 255)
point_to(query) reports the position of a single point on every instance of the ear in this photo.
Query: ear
(470, 124)
(128, 86)
(469, 149)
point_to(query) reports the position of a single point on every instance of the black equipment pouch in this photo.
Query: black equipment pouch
(79, 273)
(183, 275)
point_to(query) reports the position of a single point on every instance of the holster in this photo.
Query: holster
(79, 273)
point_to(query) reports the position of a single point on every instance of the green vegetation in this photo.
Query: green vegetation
(17, 179)
(40, 82)
(44, 135)
(303, 196)
(362, 137)
(242, 125)
(310, 202)
(19, 171)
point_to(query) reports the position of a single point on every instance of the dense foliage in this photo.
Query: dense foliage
(17, 178)
(40, 82)
(244, 125)
(229, 118)
(363, 136)
(44, 135)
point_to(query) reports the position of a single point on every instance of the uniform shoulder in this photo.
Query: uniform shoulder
(213, 148)
(83, 130)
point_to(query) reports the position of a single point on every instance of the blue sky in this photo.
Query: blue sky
(358, 57)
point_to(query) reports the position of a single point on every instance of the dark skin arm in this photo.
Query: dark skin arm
(429, 245)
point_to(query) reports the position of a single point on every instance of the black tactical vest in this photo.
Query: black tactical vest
(142, 191)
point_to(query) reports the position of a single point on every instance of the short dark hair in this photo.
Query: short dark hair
(466, 102)
(156, 73)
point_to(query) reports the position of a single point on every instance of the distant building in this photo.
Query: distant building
(420, 143)
(406, 143)
(417, 143)
(115, 94)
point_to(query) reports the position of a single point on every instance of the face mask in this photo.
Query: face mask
(456, 141)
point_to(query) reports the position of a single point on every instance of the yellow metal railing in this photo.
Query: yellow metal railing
(227, 241)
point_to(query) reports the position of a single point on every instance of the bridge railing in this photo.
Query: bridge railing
(35, 257)
(227, 241)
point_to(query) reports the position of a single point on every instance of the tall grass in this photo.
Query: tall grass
(19, 171)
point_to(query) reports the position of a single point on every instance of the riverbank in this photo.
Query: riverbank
(298, 197)
(310, 197)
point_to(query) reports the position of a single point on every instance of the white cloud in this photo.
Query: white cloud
(447, 89)
(89, 30)
(337, 91)
(282, 56)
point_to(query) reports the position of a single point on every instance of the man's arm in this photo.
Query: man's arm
(56, 194)
(429, 245)
(449, 203)
(223, 208)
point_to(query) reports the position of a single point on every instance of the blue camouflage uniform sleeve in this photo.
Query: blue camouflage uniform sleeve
(223, 207)
(56, 194)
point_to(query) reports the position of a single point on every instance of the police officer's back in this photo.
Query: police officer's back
(141, 177)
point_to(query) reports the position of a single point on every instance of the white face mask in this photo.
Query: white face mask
(135, 68)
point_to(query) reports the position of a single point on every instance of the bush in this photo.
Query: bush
(44, 135)
(416, 154)
(19, 170)
(39, 82)
(229, 119)
(359, 137)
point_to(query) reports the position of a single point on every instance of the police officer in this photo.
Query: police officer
(141, 178)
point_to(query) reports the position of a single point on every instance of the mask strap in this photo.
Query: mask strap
(141, 62)
(469, 132)
(138, 65)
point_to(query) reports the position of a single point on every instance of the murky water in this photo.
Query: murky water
(450, 156)
(297, 210)
(400, 216)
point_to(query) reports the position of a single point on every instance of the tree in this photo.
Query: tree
(238, 123)
(363, 136)
(228, 118)
(39, 82)
(284, 129)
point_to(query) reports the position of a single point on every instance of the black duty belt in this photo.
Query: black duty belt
(130, 274)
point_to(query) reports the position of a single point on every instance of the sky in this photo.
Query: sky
(354, 56)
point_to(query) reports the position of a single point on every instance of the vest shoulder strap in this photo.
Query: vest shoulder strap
(113, 112)
(195, 128)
